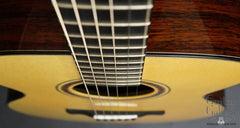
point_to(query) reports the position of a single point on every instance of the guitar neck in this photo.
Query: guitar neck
(107, 39)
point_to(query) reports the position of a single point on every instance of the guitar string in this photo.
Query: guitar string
(114, 47)
(129, 32)
(93, 4)
(148, 16)
(55, 5)
(74, 4)
(148, 12)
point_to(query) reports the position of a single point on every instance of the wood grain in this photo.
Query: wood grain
(30, 25)
(199, 26)
(195, 26)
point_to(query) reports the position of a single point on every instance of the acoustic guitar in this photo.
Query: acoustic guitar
(138, 61)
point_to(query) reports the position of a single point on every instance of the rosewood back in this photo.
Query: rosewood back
(195, 26)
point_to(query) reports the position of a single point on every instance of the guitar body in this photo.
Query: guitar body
(186, 81)
(193, 51)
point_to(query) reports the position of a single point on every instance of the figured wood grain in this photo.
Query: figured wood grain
(195, 26)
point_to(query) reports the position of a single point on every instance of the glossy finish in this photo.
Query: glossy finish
(199, 26)
(189, 80)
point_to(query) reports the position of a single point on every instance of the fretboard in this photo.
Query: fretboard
(107, 38)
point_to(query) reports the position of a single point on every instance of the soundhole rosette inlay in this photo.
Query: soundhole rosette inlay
(147, 89)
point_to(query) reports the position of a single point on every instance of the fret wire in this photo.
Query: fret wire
(95, 17)
(114, 77)
(97, 62)
(124, 84)
(111, 11)
(109, 56)
(109, 68)
(55, 5)
(108, 47)
(104, 7)
(133, 24)
(113, 81)
(85, 44)
(109, 37)
(113, 73)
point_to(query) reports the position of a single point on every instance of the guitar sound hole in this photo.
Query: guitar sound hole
(122, 91)
(145, 90)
